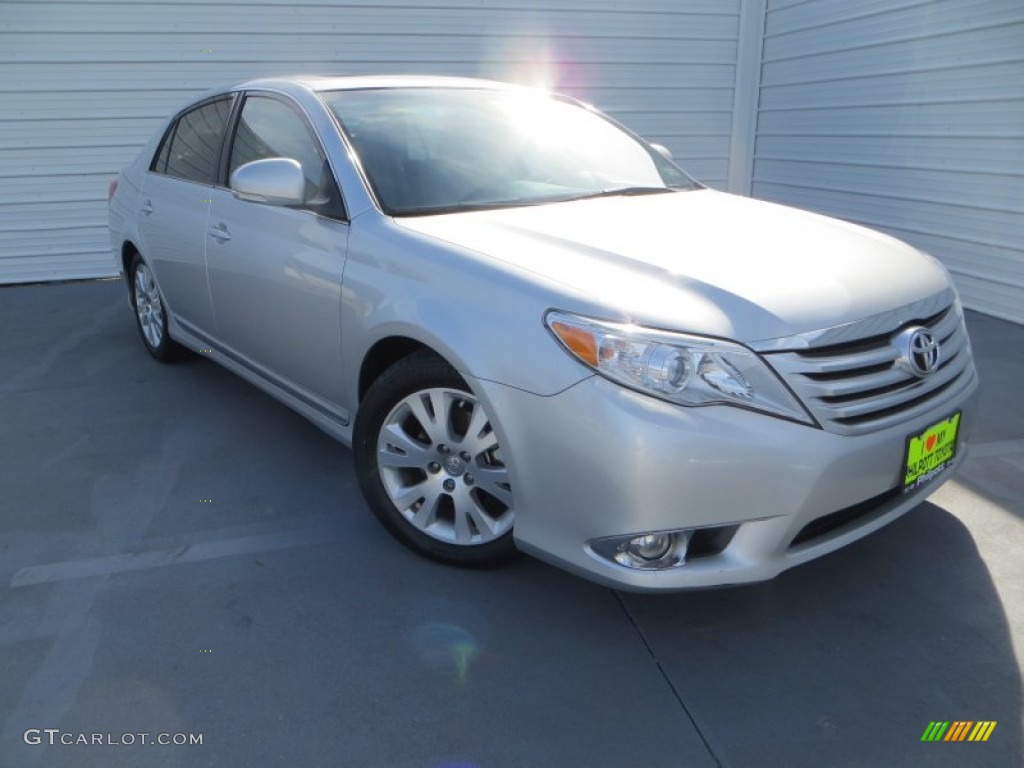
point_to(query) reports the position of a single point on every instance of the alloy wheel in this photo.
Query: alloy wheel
(441, 467)
(148, 307)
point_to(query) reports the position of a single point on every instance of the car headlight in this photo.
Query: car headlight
(679, 368)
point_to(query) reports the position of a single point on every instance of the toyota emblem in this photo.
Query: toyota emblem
(919, 351)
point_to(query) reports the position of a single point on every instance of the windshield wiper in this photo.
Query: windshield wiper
(524, 202)
(435, 210)
(620, 192)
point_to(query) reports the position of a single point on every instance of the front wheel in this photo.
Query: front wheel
(430, 466)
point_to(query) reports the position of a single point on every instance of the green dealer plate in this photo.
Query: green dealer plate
(930, 452)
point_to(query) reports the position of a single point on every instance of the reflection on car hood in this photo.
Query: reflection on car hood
(702, 261)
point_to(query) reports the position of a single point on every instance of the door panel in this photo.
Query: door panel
(276, 288)
(174, 244)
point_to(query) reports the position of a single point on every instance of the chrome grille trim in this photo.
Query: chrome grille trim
(855, 386)
(875, 325)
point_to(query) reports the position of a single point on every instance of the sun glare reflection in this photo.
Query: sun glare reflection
(446, 647)
(527, 60)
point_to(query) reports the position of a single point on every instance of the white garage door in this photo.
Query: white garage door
(907, 116)
(83, 84)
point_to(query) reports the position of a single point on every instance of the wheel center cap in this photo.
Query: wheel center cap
(453, 466)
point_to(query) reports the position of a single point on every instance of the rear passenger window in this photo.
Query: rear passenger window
(194, 152)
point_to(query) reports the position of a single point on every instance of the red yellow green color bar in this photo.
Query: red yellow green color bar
(958, 730)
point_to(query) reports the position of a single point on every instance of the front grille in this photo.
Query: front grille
(856, 387)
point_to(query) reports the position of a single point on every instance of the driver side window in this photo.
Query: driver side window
(268, 127)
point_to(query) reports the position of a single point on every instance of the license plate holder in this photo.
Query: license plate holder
(930, 452)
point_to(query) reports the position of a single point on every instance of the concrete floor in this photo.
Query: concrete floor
(281, 622)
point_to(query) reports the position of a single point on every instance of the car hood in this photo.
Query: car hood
(702, 261)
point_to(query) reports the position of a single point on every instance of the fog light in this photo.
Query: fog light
(645, 551)
(650, 546)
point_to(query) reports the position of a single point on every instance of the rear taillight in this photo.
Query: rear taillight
(111, 190)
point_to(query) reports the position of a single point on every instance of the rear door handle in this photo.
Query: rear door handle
(147, 207)
(219, 233)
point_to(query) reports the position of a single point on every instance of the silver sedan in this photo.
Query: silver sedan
(536, 332)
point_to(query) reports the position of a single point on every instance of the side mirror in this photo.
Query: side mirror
(663, 151)
(274, 181)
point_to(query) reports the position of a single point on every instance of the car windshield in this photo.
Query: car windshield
(440, 150)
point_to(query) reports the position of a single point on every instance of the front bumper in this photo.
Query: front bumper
(598, 460)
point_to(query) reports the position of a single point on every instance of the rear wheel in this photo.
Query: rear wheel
(430, 465)
(150, 314)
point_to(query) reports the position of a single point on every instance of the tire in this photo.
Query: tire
(440, 490)
(150, 313)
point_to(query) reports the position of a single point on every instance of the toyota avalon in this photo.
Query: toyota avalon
(536, 332)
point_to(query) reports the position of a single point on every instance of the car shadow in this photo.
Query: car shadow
(846, 660)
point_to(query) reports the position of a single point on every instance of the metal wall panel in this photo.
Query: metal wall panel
(83, 84)
(906, 116)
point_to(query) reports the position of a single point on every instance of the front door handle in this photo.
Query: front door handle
(219, 233)
(147, 207)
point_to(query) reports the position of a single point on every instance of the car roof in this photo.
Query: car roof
(355, 82)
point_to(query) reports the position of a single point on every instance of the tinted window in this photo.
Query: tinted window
(269, 127)
(195, 147)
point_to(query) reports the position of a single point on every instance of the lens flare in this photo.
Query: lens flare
(527, 59)
(446, 647)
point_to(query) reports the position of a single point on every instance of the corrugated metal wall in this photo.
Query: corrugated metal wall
(83, 84)
(907, 116)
